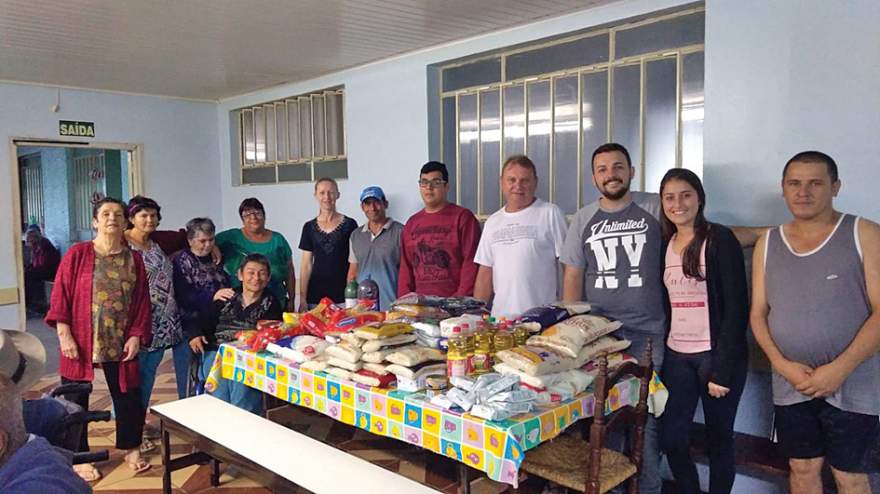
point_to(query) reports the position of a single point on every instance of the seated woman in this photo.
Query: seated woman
(233, 311)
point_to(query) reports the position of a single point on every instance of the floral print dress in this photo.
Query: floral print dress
(167, 330)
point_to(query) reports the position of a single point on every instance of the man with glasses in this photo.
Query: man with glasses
(439, 242)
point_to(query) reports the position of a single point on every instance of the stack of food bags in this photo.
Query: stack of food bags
(550, 362)
(306, 350)
(429, 307)
(490, 396)
(359, 355)
(550, 314)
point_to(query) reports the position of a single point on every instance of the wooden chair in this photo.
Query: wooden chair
(589, 467)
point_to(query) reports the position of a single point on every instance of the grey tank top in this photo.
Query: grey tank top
(818, 302)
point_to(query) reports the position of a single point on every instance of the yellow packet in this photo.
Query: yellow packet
(376, 332)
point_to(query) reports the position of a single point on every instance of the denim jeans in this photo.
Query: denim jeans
(149, 363)
(686, 377)
(235, 393)
(649, 478)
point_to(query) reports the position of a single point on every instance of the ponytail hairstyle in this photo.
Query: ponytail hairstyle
(690, 259)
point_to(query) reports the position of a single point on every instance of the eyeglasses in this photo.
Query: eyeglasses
(255, 214)
(424, 183)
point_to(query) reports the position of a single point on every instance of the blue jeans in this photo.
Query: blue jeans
(235, 393)
(149, 361)
(649, 479)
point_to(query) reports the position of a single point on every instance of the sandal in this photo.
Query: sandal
(87, 472)
(140, 466)
(147, 446)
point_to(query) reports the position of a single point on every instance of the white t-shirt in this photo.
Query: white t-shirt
(522, 248)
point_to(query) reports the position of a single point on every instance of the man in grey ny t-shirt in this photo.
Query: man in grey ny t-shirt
(613, 255)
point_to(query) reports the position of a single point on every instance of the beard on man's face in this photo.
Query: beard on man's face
(618, 194)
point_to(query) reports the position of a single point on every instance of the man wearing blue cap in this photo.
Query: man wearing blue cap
(375, 247)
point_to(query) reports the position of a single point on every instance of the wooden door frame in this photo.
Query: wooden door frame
(15, 295)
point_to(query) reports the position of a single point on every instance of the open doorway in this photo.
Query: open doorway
(58, 182)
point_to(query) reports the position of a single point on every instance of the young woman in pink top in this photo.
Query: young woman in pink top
(706, 353)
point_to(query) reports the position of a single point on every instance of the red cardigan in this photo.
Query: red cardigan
(71, 303)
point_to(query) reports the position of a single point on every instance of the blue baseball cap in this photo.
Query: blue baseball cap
(373, 192)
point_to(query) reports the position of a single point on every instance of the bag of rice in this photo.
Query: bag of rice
(344, 351)
(373, 379)
(375, 345)
(423, 369)
(414, 355)
(338, 372)
(567, 337)
(352, 340)
(379, 331)
(574, 308)
(319, 363)
(379, 355)
(380, 369)
(605, 344)
(338, 362)
(535, 360)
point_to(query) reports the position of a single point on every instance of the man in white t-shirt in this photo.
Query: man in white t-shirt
(520, 245)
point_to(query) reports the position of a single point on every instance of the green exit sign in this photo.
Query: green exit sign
(73, 128)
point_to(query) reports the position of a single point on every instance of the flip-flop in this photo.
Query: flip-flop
(87, 472)
(140, 467)
(147, 446)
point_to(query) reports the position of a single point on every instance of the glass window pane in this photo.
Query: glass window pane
(626, 110)
(293, 132)
(577, 53)
(490, 150)
(468, 140)
(250, 144)
(692, 112)
(260, 128)
(478, 73)
(270, 133)
(301, 172)
(595, 124)
(660, 91)
(673, 33)
(335, 132)
(318, 118)
(281, 130)
(258, 175)
(449, 144)
(514, 120)
(539, 134)
(565, 143)
(305, 126)
(332, 169)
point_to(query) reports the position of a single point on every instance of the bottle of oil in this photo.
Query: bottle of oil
(456, 356)
(503, 340)
(469, 337)
(520, 335)
(483, 353)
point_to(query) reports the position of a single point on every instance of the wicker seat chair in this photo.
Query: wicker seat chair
(589, 467)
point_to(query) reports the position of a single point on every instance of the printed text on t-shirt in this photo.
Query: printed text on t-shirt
(606, 236)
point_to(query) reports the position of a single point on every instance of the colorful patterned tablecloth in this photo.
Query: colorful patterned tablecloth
(494, 447)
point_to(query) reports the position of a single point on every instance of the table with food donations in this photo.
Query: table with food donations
(488, 436)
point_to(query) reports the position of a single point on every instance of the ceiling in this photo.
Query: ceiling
(210, 49)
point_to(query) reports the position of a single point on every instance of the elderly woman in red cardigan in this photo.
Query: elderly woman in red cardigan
(101, 308)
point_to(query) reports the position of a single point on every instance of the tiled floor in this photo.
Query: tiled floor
(412, 462)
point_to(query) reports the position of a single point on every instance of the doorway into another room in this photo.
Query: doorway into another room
(58, 183)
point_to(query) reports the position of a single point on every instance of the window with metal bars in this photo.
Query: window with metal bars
(295, 139)
(638, 83)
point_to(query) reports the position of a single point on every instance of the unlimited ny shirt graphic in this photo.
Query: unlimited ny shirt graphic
(611, 239)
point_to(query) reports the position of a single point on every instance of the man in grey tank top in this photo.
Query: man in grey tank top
(816, 284)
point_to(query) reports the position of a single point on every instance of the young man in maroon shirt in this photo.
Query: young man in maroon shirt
(438, 243)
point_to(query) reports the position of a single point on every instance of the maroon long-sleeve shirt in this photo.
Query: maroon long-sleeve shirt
(72, 304)
(437, 253)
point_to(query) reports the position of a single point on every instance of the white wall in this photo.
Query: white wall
(179, 141)
(783, 77)
(386, 122)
